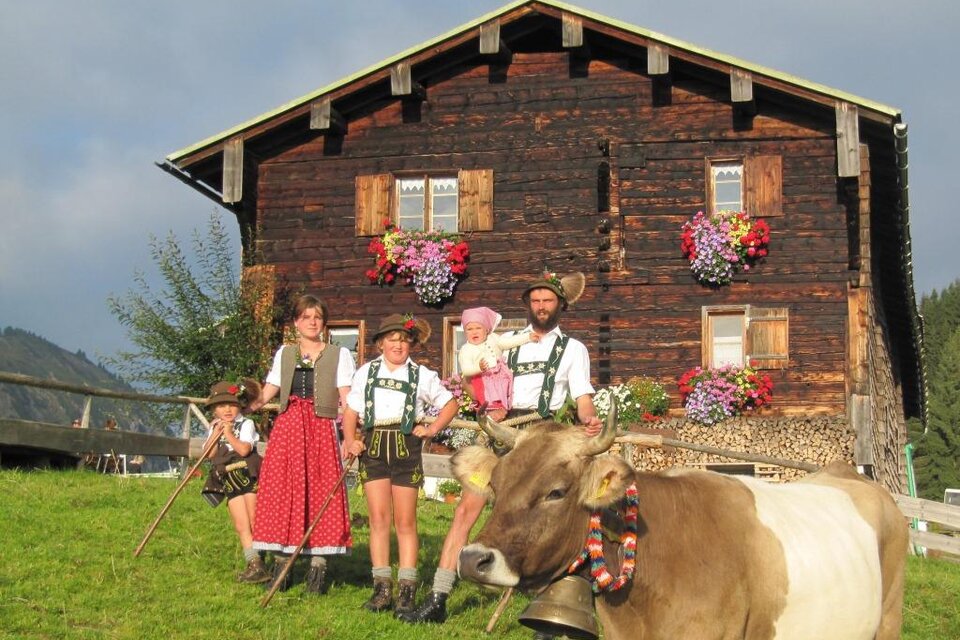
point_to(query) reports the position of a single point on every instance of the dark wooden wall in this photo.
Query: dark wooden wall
(537, 124)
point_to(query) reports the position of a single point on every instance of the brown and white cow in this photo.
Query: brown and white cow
(718, 557)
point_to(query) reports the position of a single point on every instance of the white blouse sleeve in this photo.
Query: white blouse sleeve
(357, 386)
(345, 368)
(273, 377)
(430, 389)
(248, 432)
(579, 371)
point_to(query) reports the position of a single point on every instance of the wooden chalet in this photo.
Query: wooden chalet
(569, 140)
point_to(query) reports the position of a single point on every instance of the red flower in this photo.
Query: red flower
(409, 324)
(233, 390)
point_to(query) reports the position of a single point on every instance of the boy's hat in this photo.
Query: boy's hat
(485, 316)
(238, 393)
(416, 328)
(568, 288)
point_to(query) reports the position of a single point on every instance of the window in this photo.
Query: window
(452, 202)
(744, 334)
(727, 180)
(426, 202)
(348, 334)
(752, 183)
(454, 338)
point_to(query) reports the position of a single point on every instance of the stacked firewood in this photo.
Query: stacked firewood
(817, 440)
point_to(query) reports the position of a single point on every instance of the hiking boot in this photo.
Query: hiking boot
(433, 609)
(255, 573)
(315, 579)
(406, 598)
(382, 598)
(279, 565)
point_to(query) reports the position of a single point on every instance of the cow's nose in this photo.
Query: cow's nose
(474, 562)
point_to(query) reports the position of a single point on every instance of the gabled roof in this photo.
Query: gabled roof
(676, 48)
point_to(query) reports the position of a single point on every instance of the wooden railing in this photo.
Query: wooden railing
(947, 515)
(64, 439)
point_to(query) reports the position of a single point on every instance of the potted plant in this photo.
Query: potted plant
(449, 490)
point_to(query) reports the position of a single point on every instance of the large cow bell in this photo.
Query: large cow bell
(565, 608)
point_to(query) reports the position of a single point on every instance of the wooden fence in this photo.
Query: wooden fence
(54, 438)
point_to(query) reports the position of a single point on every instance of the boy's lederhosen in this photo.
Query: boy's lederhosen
(392, 451)
(231, 475)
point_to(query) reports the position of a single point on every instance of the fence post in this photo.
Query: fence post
(85, 420)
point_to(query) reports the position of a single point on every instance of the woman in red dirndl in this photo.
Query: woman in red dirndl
(303, 461)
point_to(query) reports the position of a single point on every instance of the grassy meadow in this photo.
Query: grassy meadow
(67, 571)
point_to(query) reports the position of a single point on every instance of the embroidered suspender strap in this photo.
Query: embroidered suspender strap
(408, 388)
(553, 363)
(548, 369)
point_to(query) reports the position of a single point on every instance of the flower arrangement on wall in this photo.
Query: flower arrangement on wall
(720, 245)
(710, 396)
(432, 262)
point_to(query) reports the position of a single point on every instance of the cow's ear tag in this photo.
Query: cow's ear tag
(602, 489)
(479, 480)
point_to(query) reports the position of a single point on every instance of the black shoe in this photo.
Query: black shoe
(433, 609)
(278, 567)
(316, 579)
(382, 598)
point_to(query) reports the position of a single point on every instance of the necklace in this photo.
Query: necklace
(593, 548)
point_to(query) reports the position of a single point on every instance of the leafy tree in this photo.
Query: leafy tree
(203, 326)
(938, 449)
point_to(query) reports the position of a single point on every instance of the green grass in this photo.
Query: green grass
(67, 571)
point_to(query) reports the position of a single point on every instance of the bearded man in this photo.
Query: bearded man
(546, 373)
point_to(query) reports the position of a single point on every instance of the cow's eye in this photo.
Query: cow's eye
(556, 494)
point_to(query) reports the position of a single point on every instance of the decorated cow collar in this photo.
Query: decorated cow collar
(600, 577)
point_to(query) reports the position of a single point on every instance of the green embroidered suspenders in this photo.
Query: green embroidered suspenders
(548, 368)
(409, 389)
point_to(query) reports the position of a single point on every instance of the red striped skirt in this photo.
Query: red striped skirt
(301, 466)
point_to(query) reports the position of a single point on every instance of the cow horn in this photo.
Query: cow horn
(506, 436)
(604, 439)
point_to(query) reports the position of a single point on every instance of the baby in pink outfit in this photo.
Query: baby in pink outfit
(481, 358)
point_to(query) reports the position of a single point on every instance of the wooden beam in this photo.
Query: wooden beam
(572, 30)
(860, 420)
(402, 83)
(658, 60)
(848, 140)
(323, 117)
(741, 86)
(491, 44)
(232, 170)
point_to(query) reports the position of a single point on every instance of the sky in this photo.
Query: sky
(93, 93)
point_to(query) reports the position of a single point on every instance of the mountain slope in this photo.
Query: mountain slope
(28, 354)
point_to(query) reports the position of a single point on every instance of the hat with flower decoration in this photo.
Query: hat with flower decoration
(568, 288)
(416, 328)
(238, 393)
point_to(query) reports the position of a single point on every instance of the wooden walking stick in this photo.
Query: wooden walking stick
(176, 492)
(306, 536)
(501, 607)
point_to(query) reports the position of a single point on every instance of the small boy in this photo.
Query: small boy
(235, 467)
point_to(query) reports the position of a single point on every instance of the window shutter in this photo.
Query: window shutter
(476, 200)
(763, 185)
(768, 332)
(374, 200)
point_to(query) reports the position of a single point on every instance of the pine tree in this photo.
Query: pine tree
(202, 327)
(941, 317)
(938, 450)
